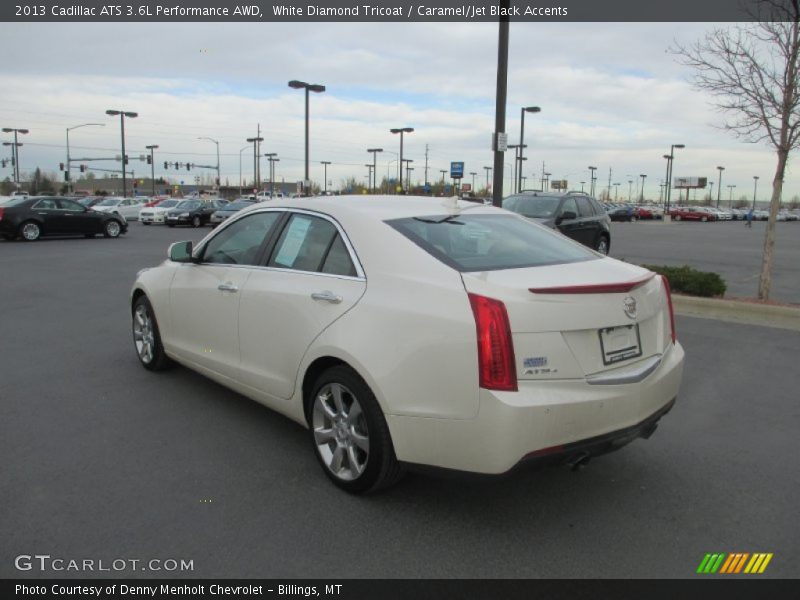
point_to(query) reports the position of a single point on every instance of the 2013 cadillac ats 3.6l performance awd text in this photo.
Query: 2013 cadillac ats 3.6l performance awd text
(417, 331)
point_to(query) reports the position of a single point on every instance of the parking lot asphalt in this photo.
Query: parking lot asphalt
(102, 459)
(727, 247)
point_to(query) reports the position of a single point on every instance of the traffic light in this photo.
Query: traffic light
(149, 160)
(60, 166)
(188, 166)
(66, 175)
(126, 160)
(166, 165)
(83, 168)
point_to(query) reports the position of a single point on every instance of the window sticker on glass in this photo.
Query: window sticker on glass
(295, 235)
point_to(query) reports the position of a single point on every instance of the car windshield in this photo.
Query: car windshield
(188, 204)
(167, 204)
(488, 242)
(109, 202)
(534, 207)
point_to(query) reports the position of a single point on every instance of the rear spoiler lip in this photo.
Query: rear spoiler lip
(596, 288)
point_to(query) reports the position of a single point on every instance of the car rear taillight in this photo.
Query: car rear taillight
(669, 305)
(496, 365)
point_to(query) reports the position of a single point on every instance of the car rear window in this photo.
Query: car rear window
(487, 242)
(534, 207)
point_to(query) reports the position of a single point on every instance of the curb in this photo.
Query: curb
(765, 315)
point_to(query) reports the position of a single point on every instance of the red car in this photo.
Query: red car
(156, 201)
(691, 213)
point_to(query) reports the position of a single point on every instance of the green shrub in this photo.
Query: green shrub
(686, 280)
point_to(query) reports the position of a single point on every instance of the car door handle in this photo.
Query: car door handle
(227, 287)
(327, 297)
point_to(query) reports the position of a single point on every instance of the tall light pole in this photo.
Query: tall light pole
(325, 164)
(719, 185)
(272, 160)
(630, 189)
(523, 110)
(730, 195)
(517, 149)
(670, 159)
(152, 167)
(374, 167)
(443, 172)
(270, 156)
(641, 195)
(122, 114)
(15, 152)
(616, 191)
(582, 184)
(69, 173)
(408, 162)
(240, 167)
(308, 87)
(592, 180)
(546, 181)
(755, 189)
(710, 192)
(473, 173)
(408, 176)
(256, 179)
(219, 181)
(488, 174)
(401, 131)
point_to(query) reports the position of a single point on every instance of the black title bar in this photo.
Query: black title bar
(384, 11)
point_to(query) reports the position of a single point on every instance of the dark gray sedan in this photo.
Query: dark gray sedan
(229, 210)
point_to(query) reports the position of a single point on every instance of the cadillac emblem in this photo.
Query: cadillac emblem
(629, 306)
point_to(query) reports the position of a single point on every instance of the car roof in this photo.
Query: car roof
(378, 207)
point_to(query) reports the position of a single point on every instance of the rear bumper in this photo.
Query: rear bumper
(545, 421)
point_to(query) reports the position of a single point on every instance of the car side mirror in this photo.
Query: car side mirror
(566, 216)
(181, 252)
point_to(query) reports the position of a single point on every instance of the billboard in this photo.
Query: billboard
(559, 184)
(690, 182)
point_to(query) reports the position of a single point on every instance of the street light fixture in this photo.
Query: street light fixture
(443, 172)
(401, 131)
(408, 162)
(592, 180)
(256, 176)
(69, 173)
(219, 181)
(641, 195)
(755, 189)
(271, 158)
(240, 167)
(523, 110)
(730, 195)
(473, 173)
(670, 159)
(308, 87)
(15, 150)
(152, 168)
(719, 185)
(122, 114)
(325, 164)
(374, 167)
(488, 174)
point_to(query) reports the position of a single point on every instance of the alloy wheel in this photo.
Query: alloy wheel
(340, 431)
(31, 231)
(143, 335)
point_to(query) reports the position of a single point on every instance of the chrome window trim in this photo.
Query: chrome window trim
(360, 275)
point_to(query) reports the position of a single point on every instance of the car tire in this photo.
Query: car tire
(196, 222)
(170, 224)
(143, 223)
(112, 228)
(146, 336)
(603, 244)
(30, 231)
(354, 450)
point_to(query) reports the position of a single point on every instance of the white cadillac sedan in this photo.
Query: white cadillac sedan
(417, 331)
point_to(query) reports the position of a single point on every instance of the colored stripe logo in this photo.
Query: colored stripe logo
(737, 562)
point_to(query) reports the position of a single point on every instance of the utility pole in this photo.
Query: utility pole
(500, 105)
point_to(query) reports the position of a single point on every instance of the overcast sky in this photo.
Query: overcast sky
(610, 94)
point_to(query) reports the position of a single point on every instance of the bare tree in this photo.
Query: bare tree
(751, 70)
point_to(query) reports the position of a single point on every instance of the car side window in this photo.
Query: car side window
(239, 243)
(70, 205)
(304, 243)
(569, 206)
(338, 260)
(585, 207)
(46, 204)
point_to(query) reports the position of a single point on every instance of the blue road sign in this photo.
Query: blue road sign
(456, 170)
